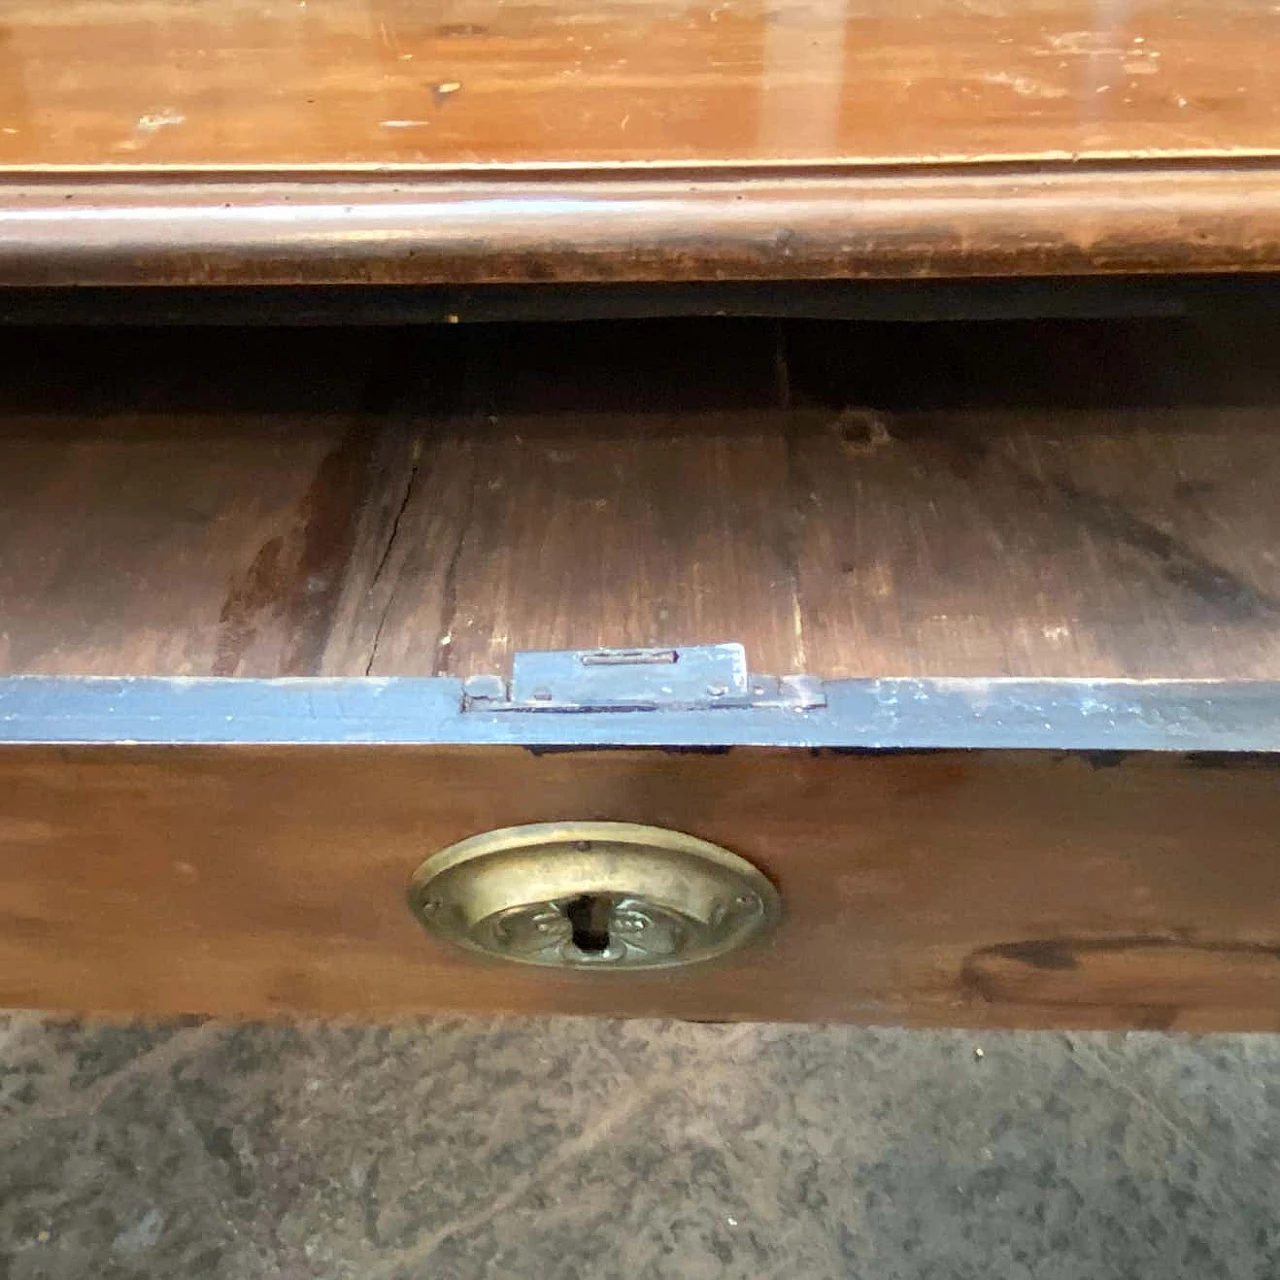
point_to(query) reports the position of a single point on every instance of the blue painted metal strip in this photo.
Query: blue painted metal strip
(1074, 715)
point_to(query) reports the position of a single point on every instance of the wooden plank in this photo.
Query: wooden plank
(564, 500)
(580, 532)
(160, 515)
(197, 508)
(1117, 542)
(166, 84)
(958, 888)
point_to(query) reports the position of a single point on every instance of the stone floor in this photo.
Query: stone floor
(565, 1149)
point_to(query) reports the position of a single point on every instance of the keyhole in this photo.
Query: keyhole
(588, 916)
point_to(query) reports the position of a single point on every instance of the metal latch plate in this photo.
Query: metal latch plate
(696, 677)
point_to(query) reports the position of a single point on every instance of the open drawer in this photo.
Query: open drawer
(263, 596)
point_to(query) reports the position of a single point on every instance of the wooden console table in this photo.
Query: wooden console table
(268, 595)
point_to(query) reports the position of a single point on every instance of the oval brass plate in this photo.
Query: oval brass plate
(593, 895)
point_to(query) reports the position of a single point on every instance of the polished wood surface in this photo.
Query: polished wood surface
(386, 141)
(960, 888)
(565, 227)
(843, 499)
(218, 84)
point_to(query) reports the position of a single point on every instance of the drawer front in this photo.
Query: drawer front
(975, 883)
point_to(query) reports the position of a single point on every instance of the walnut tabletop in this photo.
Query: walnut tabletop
(408, 141)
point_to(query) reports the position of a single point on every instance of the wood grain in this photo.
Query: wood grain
(428, 504)
(1069, 542)
(166, 478)
(236, 84)
(189, 142)
(958, 888)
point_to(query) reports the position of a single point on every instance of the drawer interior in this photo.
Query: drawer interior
(1035, 498)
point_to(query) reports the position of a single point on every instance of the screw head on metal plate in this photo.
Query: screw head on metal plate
(593, 895)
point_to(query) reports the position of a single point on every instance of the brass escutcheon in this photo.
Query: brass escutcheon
(593, 895)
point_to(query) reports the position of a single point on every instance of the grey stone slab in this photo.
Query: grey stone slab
(560, 1149)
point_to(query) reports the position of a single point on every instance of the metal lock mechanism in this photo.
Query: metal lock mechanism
(593, 895)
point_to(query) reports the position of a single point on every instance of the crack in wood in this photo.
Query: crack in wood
(392, 536)
(443, 663)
